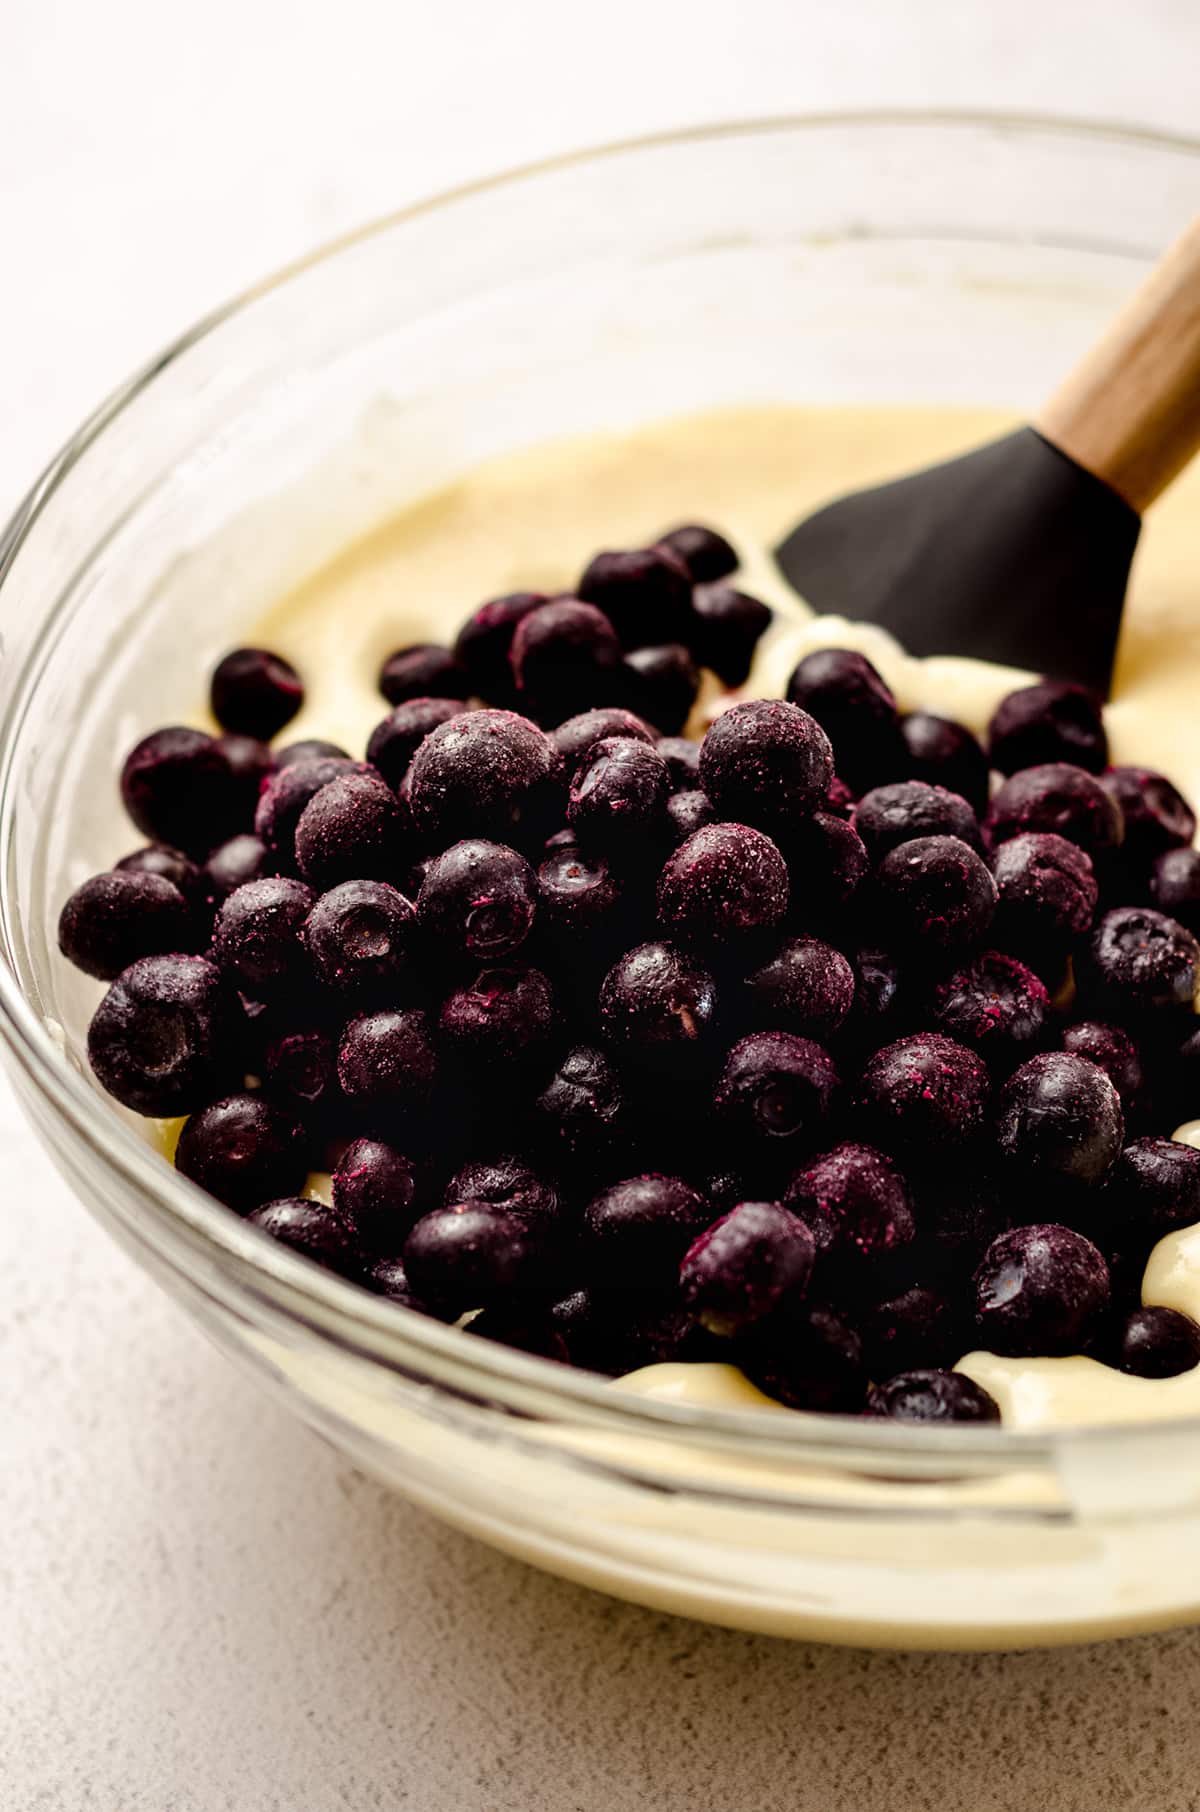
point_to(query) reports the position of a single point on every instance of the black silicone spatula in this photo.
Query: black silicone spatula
(1020, 551)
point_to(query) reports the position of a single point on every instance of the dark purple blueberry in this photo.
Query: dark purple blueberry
(396, 739)
(113, 919)
(579, 1113)
(388, 1278)
(645, 594)
(577, 737)
(300, 1069)
(875, 1012)
(944, 753)
(350, 831)
(157, 1041)
(178, 788)
(478, 900)
(1157, 1343)
(890, 815)
(580, 897)
(958, 1217)
(1137, 961)
(934, 895)
(704, 553)
(1059, 1116)
(527, 1327)
(995, 1005)
(244, 1149)
(663, 681)
(827, 861)
(766, 763)
(857, 711)
(484, 644)
(505, 1016)
(617, 1332)
(1154, 1187)
(470, 1254)
(258, 937)
(310, 748)
(918, 1327)
(638, 1230)
(727, 627)
(423, 670)
(1040, 1292)
(745, 1265)
(484, 774)
(856, 1205)
(1047, 894)
(808, 1361)
(506, 1182)
(284, 798)
(658, 1006)
(924, 1095)
(255, 692)
(932, 1396)
(1059, 798)
(726, 881)
(171, 864)
(776, 1091)
(688, 813)
(619, 793)
(251, 765)
(565, 660)
(313, 1230)
(1114, 1051)
(682, 756)
(387, 1059)
(376, 1192)
(840, 799)
(360, 937)
(234, 864)
(806, 987)
(1052, 721)
(1175, 886)
(1156, 814)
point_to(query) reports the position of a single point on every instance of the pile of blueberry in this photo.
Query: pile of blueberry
(806, 1045)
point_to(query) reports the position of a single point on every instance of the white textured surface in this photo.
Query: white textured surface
(201, 1608)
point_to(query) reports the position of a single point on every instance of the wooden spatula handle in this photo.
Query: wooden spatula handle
(1130, 412)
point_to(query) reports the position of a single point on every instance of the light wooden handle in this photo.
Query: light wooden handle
(1130, 412)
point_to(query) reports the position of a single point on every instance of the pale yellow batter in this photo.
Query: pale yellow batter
(532, 521)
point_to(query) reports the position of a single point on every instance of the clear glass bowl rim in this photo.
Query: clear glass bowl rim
(360, 1323)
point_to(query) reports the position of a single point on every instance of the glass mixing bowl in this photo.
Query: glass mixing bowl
(825, 260)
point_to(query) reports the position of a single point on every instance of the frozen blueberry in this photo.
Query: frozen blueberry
(1175, 886)
(360, 936)
(687, 813)
(619, 794)
(727, 627)
(663, 681)
(923, 1095)
(1040, 1291)
(944, 753)
(875, 1011)
(299, 1069)
(1157, 1343)
(1154, 1187)
(503, 1017)
(1052, 721)
(1138, 961)
(395, 740)
(766, 763)
(243, 1149)
(959, 1214)
(808, 1361)
(471, 1254)
(565, 660)
(1059, 1116)
(424, 670)
(658, 1005)
(233, 864)
(350, 831)
(258, 937)
(388, 1278)
(857, 711)
(178, 788)
(113, 919)
(776, 1090)
(725, 881)
(934, 895)
(171, 864)
(310, 748)
(856, 1205)
(484, 774)
(579, 1115)
(284, 798)
(577, 737)
(917, 1327)
(1156, 814)
(827, 861)
(745, 1265)
(251, 765)
(932, 1396)
(645, 594)
(618, 1331)
(704, 553)
(506, 1182)
(1061, 798)
(1112, 1048)
(527, 1326)
(995, 1005)
(580, 897)
(313, 1230)
(895, 814)
(387, 1059)
(1047, 893)
(805, 987)
(376, 1192)
(638, 1230)
(157, 1041)
(478, 900)
(682, 756)
(484, 644)
(840, 799)
(255, 692)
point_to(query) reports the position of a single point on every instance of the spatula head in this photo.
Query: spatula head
(1012, 553)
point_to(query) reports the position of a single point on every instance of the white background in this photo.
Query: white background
(200, 1607)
